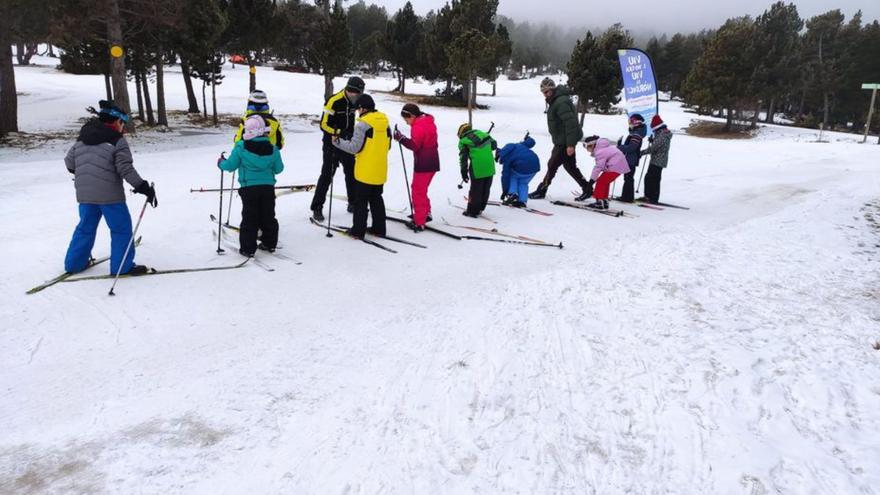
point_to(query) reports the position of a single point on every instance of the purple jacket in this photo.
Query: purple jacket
(608, 159)
(423, 144)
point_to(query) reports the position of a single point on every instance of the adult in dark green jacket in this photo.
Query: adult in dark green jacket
(565, 130)
(476, 157)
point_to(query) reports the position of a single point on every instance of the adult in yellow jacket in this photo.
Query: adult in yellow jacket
(337, 122)
(258, 104)
(369, 144)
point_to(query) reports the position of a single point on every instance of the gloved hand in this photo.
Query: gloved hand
(464, 176)
(147, 190)
(221, 159)
(651, 139)
(589, 189)
(397, 135)
(619, 140)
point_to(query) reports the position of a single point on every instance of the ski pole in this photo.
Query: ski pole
(641, 174)
(130, 243)
(405, 177)
(490, 128)
(510, 241)
(220, 250)
(330, 213)
(229, 210)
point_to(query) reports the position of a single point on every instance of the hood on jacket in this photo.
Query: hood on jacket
(559, 92)
(259, 146)
(95, 132)
(601, 144)
(510, 148)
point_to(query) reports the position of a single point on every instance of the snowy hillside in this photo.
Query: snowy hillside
(725, 349)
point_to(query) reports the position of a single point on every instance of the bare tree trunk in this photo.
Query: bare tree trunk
(8, 97)
(30, 49)
(402, 81)
(108, 88)
(754, 124)
(190, 94)
(771, 111)
(160, 91)
(471, 100)
(729, 125)
(252, 73)
(51, 51)
(140, 95)
(448, 87)
(204, 101)
(214, 96)
(826, 109)
(117, 64)
(151, 120)
(328, 86)
(19, 53)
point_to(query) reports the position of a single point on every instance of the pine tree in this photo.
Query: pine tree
(776, 39)
(401, 44)
(721, 77)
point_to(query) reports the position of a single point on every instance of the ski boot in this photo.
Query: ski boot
(263, 247)
(539, 193)
(600, 204)
(318, 215)
(511, 199)
(246, 254)
(138, 270)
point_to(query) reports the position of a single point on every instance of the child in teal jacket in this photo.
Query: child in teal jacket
(257, 161)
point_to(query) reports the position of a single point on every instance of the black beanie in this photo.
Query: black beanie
(355, 84)
(366, 102)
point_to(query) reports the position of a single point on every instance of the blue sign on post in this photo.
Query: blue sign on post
(639, 87)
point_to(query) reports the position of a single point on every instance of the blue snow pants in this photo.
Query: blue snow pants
(519, 185)
(80, 250)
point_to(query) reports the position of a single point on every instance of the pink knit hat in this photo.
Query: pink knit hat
(254, 127)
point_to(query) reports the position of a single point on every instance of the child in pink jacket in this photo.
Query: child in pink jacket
(423, 144)
(610, 164)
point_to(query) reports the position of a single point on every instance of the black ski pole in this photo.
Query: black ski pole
(330, 213)
(490, 128)
(406, 177)
(130, 243)
(510, 241)
(641, 174)
(220, 250)
(229, 209)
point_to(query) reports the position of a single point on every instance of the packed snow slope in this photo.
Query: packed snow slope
(725, 349)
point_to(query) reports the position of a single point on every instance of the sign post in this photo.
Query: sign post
(874, 88)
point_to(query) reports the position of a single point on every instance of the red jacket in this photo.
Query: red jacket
(423, 144)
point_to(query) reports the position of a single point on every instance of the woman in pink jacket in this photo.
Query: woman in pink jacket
(423, 144)
(610, 163)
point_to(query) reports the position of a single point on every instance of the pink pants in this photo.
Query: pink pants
(421, 202)
(602, 183)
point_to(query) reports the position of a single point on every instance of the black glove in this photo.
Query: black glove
(464, 176)
(147, 190)
(651, 140)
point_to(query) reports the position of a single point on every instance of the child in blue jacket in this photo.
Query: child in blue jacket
(257, 161)
(520, 165)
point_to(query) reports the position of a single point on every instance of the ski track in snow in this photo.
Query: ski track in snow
(722, 350)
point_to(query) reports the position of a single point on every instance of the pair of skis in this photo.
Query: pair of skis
(430, 228)
(229, 244)
(66, 275)
(611, 212)
(345, 231)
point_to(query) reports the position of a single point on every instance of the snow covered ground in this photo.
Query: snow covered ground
(725, 349)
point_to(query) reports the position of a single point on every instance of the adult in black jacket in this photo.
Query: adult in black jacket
(337, 121)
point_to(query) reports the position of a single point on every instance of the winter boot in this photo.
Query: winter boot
(246, 254)
(318, 215)
(427, 218)
(138, 270)
(263, 247)
(518, 204)
(539, 193)
(469, 214)
(600, 204)
(584, 196)
(415, 228)
(511, 199)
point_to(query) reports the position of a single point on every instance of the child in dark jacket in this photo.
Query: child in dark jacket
(520, 165)
(258, 161)
(632, 148)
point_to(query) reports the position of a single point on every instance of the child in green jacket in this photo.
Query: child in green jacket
(476, 157)
(257, 161)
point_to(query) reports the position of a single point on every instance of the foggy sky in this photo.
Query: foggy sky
(658, 16)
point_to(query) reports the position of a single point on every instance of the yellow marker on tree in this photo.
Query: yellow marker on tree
(116, 51)
(253, 69)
